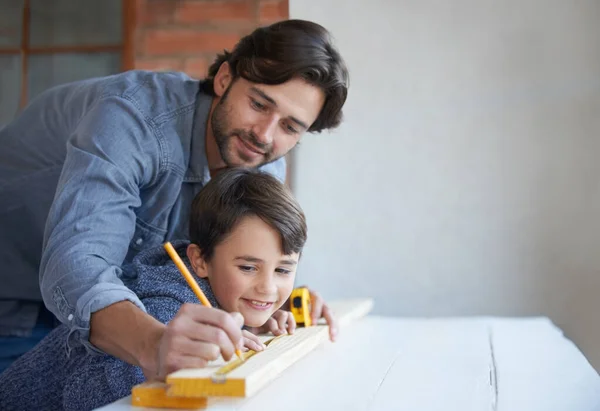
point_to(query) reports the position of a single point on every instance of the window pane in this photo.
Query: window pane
(75, 22)
(11, 23)
(10, 84)
(50, 70)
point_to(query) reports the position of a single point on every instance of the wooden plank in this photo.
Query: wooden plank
(256, 372)
(264, 367)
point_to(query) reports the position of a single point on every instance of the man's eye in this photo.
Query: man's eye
(290, 129)
(255, 104)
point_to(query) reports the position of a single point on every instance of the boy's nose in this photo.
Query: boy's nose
(267, 287)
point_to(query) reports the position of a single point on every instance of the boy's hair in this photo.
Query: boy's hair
(236, 193)
(291, 49)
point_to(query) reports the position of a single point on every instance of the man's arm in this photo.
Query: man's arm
(111, 154)
(188, 336)
(104, 379)
(128, 333)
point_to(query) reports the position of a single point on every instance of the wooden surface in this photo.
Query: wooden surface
(458, 364)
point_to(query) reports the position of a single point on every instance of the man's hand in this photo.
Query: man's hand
(197, 335)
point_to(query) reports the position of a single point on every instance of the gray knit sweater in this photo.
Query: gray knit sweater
(47, 378)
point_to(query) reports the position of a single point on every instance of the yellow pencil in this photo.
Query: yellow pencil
(192, 283)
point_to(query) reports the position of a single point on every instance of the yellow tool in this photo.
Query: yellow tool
(300, 306)
(154, 394)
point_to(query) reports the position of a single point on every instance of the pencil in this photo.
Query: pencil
(191, 282)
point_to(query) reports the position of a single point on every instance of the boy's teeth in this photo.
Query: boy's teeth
(259, 303)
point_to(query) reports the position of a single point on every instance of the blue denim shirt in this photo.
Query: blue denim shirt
(91, 173)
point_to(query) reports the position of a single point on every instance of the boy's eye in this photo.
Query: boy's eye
(283, 271)
(247, 268)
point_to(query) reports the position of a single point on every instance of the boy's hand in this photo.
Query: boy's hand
(281, 322)
(197, 335)
(252, 342)
(319, 309)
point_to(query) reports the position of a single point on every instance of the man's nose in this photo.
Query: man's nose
(265, 131)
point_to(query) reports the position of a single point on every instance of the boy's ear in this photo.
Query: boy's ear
(198, 263)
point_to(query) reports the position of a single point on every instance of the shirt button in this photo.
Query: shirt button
(139, 241)
(70, 317)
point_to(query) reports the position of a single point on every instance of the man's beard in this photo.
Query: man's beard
(223, 137)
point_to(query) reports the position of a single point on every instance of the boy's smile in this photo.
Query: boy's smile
(248, 272)
(258, 305)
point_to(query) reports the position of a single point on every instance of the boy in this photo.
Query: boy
(246, 236)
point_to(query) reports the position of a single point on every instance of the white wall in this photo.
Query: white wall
(465, 179)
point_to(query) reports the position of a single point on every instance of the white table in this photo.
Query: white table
(461, 364)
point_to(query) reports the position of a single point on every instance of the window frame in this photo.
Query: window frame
(126, 47)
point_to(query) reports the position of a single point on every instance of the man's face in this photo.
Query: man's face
(254, 124)
(248, 272)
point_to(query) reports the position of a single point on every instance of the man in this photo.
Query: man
(93, 172)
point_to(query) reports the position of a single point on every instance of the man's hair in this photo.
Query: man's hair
(291, 49)
(236, 193)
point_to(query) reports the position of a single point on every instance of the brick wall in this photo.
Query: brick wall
(186, 35)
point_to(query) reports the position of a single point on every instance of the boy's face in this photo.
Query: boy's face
(248, 272)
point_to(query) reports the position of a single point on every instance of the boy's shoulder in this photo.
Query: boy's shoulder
(152, 273)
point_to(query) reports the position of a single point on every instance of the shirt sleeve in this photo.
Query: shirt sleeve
(110, 156)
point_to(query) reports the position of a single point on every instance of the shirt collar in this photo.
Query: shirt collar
(197, 171)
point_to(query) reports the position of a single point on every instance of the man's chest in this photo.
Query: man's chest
(163, 215)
